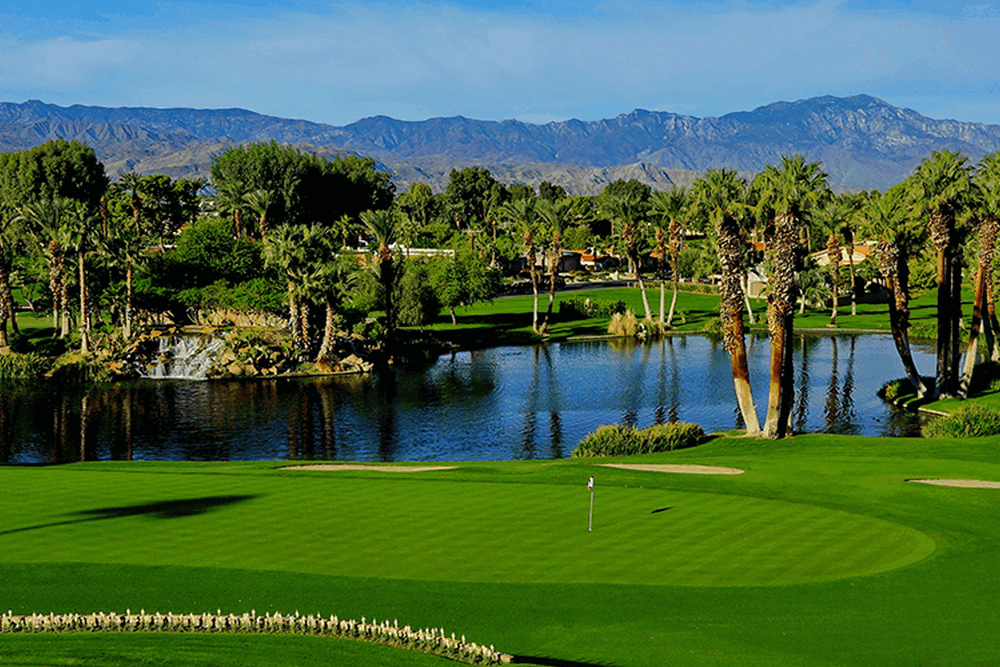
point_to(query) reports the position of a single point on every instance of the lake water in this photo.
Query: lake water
(493, 404)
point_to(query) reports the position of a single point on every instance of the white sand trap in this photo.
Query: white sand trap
(376, 468)
(684, 469)
(963, 483)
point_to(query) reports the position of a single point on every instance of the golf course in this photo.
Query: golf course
(822, 551)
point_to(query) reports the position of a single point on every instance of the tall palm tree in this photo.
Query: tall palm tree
(8, 239)
(82, 237)
(941, 185)
(523, 215)
(231, 200)
(555, 217)
(285, 250)
(263, 203)
(719, 196)
(787, 195)
(832, 220)
(887, 219)
(988, 181)
(46, 220)
(986, 203)
(670, 207)
(628, 213)
(383, 226)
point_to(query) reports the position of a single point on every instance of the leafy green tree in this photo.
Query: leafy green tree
(463, 279)
(551, 192)
(54, 170)
(417, 299)
(468, 196)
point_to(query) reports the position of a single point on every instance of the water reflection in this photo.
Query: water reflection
(500, 403)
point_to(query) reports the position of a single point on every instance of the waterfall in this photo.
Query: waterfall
(184, 357)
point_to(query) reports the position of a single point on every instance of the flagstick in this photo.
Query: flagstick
(590, 525)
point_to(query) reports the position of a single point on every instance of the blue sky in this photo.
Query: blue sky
(337, 62)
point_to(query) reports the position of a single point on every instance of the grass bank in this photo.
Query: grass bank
(820, 553)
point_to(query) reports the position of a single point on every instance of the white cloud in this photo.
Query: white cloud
(415, 61)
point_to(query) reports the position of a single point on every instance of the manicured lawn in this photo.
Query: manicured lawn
(820, 554)
(508, 320)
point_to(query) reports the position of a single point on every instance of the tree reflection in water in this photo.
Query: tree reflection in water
(498, 403)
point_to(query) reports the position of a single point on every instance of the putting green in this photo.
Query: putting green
(440, 530)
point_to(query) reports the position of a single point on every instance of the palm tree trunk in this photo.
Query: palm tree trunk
(893, 268)
(129, 291)
(941, 237)
(325, 355)
(850, 266)
(780, 326)
(673, 300)
(84, 319)
(6, 300)
(731, 311)
(977, 317)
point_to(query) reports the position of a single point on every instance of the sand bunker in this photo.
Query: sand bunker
(375, 468)
(685, 469)
(963, 483)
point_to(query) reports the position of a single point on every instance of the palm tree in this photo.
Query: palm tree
(987, 213)
(8, 239)
(82, 237)
(523, 215)
(941, 185)
(719, 196)
(786, 195)
(629, 212)
(261, 202)
(670, 206)
(131, 182)
(555, 217)
(124, 248)
(886, 218)
(231, 200)
(383, 226)
(285, 250)
(46, 220)
(833, 221)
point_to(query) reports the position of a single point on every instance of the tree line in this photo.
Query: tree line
(329, 241)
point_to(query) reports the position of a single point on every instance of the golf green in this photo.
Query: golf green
(411, 527)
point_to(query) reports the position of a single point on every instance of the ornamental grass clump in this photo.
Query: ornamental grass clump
(970, 421)
(426, 640)
(624, 324)
(617, 440)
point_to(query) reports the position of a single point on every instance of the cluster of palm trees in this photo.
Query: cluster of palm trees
(948, 207)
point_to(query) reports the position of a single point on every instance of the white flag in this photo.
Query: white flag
(590, 484)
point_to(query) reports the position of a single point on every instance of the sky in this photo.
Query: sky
(338, 62)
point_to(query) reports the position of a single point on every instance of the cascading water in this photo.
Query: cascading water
(184, 357)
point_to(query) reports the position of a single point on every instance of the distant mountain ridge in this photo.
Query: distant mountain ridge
(862, 141)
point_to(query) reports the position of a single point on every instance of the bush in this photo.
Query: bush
(579, 308)
(970, 421)
(617, 440)
(713, 327)
(623, 324)
(27, 366)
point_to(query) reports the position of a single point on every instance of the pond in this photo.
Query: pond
(499, 403)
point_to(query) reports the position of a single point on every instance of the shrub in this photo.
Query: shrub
(27, 366)
(578, 308)
(970, 421)
(624, 324)
(713, 327)
(617, 440)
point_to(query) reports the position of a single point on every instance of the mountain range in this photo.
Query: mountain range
(863, 142)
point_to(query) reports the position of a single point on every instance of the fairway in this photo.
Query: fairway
(820, 553)
(442, 530)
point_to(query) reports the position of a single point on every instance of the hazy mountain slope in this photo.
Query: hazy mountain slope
(862, 141)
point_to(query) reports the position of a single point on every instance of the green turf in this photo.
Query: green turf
(820, 554)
